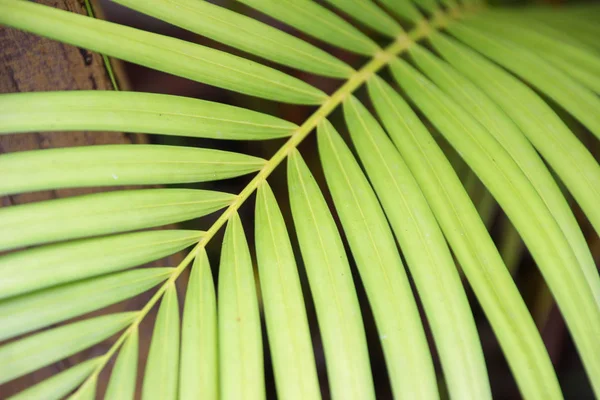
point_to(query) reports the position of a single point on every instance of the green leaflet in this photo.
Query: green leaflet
(399, 326)
(103, 213)
(240, 342)
(573, 163)
(315, 20)
(59, 385)
(508, 135)
(470, 241)
(426, 252)
(585, 32)
(580, 63)
(162, 366)
(430, 6)
(124, 374)
(330, 278)
(498, 171)
(111, 165)
(36, 351)
(87, 391)
(370, 15)
(198, 371)
(40, 309)
(285, 314)
(163, 53)
(403, 9)
(244, 33)
(582, 103)
(135, 112)
(51, 265)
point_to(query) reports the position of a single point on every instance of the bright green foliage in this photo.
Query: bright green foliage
(116, 165)
(33, 352)
(124, 374)
(104, 213)
(59, 385)
(244, 33)
(121, 111)
(240, 339)
(161, 375)
(51, 265)
(370, 15)
(315, 20)
(287, 325)
(177, 57)
(46, 307)
(465, 141)
(198, 372)
(331, 286)
(427, 254)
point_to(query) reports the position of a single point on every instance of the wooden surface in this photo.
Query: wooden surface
(30, 63)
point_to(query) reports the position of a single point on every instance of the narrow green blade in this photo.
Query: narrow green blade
(568, 157)
(244, 33)
(470, 242)
(51, 265)
(112, 165)
(370, 15)
(40, 309)
(513, 191)
(87, 391)
(510, 137)
(174, 56)
(103, 213)
(581, 63)
(240, 342)
(404, 10)
(317, 21)
(33, 352)
(198, 372)
(285, 314)
(399, 325)
(581, 102)
(123, 377)
(135, 112)
(431, 6)
(162, 365)
(59, 385)
(330, 278)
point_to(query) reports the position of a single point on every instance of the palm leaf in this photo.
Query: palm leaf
(459, 138)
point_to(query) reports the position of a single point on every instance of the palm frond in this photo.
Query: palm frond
(454, 134)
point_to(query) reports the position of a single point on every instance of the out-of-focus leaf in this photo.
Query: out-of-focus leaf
(317, 21)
